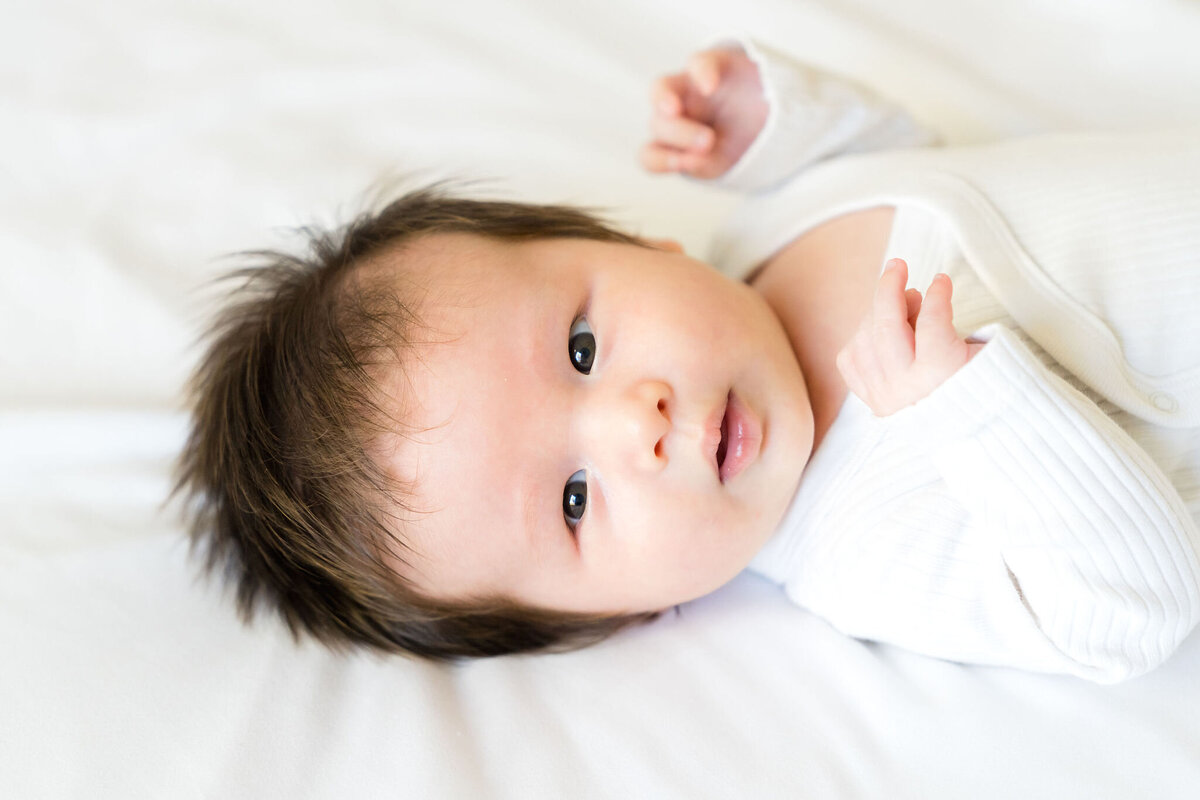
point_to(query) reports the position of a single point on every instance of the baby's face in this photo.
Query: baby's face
(601, 427)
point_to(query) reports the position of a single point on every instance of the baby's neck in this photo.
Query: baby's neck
(820, 286)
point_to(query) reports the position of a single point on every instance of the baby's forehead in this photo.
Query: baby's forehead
(450, 465)
(443, 257)
(460, 260)
(456, 362)
(441, 289)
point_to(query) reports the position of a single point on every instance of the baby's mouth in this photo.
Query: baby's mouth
(741, 438)
(716, 436)
(723, 445)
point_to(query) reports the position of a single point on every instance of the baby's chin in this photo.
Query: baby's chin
(771, 488)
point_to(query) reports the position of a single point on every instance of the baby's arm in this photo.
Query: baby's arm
(749, 117)
(1098, 545)
(1102, 555)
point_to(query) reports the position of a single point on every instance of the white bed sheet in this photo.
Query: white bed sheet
(140, 140)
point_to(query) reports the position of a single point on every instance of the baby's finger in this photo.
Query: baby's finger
(892, 333)
(705, 70)
(935, 334)
(913, 298)
(667, 94)
(657, 158)
(682, 133)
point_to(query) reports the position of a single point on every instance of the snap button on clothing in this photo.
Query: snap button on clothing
(1164, 402)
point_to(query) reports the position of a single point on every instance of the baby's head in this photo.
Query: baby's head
(465, 428)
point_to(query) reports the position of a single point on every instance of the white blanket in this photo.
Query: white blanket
(142, 140)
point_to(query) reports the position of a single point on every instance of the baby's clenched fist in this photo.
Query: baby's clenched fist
(705, 118)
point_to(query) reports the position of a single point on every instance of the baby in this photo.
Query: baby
(466, 428)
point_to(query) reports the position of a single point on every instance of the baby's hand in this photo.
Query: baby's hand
(705, 118)
(905, 347)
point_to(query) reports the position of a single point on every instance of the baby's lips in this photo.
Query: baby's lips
(742, 438)
(713, 432)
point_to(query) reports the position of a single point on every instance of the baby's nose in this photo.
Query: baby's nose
(631, 425)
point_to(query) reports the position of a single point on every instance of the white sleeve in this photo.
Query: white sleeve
(1098, 545)
(814, 115)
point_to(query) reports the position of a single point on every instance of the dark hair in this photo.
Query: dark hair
(283, 496)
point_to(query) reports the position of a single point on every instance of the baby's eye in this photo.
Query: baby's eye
(581, 346)
(575, 498)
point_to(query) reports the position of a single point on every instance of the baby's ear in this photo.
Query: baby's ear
(670, 245)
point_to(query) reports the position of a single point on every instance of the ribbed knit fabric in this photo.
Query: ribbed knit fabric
(1038, 510)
